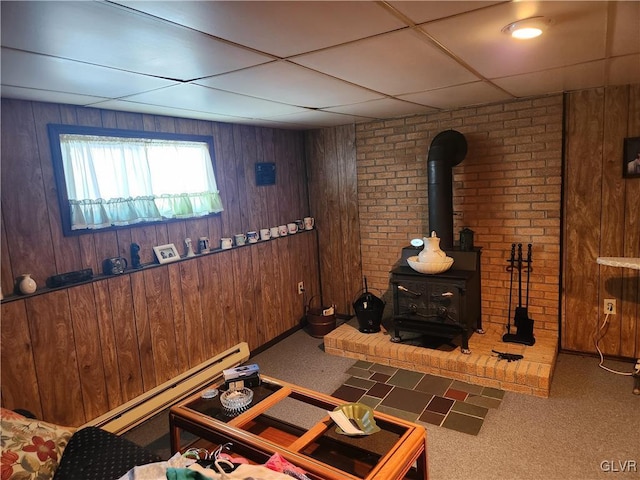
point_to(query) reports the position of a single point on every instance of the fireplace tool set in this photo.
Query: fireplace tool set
(521, 320)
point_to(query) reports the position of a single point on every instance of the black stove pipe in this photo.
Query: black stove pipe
(447, 150)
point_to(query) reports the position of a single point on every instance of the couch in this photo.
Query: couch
(33, 449)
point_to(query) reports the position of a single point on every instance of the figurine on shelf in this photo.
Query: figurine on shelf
(135, 256)
(190, 252)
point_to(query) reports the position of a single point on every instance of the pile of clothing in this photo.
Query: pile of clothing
(199, 464)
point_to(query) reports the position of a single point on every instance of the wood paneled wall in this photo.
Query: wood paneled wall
(70, 355)
(333, 197)
(602, 219)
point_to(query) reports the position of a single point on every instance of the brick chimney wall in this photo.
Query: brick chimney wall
(507, 190)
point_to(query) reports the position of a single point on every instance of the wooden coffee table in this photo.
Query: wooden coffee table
(309, 441)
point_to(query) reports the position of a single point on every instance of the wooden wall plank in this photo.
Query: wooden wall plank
(143, 331)
(122, 309)
(583, 184)
(227, 179)
(250, 200)
(88, 348)
(331, 169)
(290, 273)
(212, 280)
(351, 258)
(226, 300)
(19, 380)
(6, 276)
(32, 250)
(269, 193)
(630, 330)
(163, 339)
(192, 304)
(257, 278)
(68, 257)
(55, 357)
(109, 344)
(616, 105)
(179, 321)
(243, 286)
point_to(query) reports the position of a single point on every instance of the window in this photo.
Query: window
(119, 178)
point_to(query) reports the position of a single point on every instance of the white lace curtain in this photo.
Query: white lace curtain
(120, 181)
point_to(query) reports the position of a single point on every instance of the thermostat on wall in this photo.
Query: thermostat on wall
(265, 173)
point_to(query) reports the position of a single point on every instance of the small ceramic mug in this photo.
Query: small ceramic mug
(282, 230)
(274, 232)
(309, 222)
(203, 245)
(253, 236)
(240, 239)
(292, 228)
(300, 225)
(265, 234)
(226, 243)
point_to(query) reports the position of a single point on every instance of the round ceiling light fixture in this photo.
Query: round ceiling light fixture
(528, 28)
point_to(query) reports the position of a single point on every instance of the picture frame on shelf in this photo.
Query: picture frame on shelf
(631, 158)
(166, 253)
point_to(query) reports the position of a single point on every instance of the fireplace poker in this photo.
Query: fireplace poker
(510, 270)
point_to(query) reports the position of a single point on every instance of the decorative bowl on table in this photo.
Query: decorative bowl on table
(430, 267)
(358, 414)
(234, 402)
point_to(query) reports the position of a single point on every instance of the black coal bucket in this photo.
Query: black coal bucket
(369, 310)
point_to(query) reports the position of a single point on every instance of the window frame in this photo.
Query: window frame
(55, 130)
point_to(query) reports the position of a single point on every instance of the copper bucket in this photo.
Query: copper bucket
(321, 320)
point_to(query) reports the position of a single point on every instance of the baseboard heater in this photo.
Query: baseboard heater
(134, 412)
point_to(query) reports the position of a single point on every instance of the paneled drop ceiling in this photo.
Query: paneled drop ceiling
(301, 65)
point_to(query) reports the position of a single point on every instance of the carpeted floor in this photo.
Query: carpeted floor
(420, 397)
(586, 429)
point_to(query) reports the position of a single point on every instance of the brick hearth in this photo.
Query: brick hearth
(531, 375)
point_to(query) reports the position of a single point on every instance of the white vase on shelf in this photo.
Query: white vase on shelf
(26, 284)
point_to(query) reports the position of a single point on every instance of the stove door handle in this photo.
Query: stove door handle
(405, 289)
(438, 296)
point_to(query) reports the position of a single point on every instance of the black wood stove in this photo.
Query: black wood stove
(444, 305)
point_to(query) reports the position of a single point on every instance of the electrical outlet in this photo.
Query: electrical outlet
(610, 306)
(300, 288)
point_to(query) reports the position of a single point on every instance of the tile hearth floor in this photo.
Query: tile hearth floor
(531, 375)
(420, 397)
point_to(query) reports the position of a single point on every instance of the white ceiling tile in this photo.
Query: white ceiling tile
(352, 58)
(57, 74)
(34, 95)
(203, 99)
(384, 108)
(555, 80)
(319, 118)
(458, 96)
(278, 28)
(285, 82)
(110, 35)
(577, 36)
(394, 63)
(127, 106)
(421, 12)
